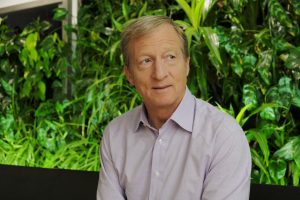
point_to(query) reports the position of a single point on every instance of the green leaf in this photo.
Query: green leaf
(281, 44)
(116, 24)
(187, 9)
(125, 10)
(240, 117)
(229, 111)
(238, 4)
(42, 90)
(296, 98)
(296, 173)
(143, 10)
(6, 123)
(44, 110)
(207, 7)
(212, 41)
(2, 49)
(112, 50)
(60, 14)
(293, 61)
(5, 65)
(288, 151)
(9, 89)
(296, 5)
(33, 56)
(264, 64)
(268, 129)
(277, 11)
(197, 12)
(258, 161)
(285, 90)
(249, 96)
(277, 169)
(297, 153)
(190, 31)
(31, 41)
(273, 95)
(26, 89)
(263, 144)
(183, 24)
(237, 68)
(268, 113)
(249, 60)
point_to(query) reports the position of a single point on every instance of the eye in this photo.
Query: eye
(146, 61)
(171, 57)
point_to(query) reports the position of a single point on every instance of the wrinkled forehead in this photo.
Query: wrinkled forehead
(164, 33)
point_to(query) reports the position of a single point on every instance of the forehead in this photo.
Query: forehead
(163, 36)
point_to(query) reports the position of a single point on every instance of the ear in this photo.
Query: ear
(128, 74)
(187, 66)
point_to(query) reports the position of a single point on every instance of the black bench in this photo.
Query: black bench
(25, 183)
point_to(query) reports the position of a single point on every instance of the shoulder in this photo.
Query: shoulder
(126, 122)
(130, 117)
(214, 124)
(223, 136)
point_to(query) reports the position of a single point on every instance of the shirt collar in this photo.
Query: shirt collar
(142, 118)
(183, 115)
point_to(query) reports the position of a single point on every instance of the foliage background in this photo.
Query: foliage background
(245, 59)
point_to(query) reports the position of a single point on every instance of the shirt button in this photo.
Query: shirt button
(157, 173)
(160, 141)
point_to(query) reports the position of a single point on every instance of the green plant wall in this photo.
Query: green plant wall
(245, 59)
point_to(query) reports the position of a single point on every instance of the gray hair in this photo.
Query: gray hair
(144, 25)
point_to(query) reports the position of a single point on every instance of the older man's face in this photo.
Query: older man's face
(158, 69)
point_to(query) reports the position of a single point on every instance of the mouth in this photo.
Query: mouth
(161, 87)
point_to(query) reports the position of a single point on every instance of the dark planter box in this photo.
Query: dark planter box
(53, 184)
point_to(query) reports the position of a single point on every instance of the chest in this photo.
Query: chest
(166, 166)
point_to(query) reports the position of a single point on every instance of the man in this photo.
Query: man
(174, 146)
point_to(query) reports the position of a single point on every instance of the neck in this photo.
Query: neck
(158, 116)
(158, 119)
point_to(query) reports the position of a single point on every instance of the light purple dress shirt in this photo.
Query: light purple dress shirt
(200, 153)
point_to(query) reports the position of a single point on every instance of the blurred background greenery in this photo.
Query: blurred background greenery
(245, 59)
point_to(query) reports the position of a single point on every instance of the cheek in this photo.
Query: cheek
(141, 82)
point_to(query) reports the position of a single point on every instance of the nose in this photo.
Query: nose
(160, 70)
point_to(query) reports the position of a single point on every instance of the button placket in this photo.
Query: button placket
(155, 170)
(158, 156)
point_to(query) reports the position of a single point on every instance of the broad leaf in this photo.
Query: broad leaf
(268, 113)
(288, 151)
(296, 98)
(276, 10)
(42, 90)
(277, 169)
(264, 64)
(293, 62)
(249, 96)
(296, 6)
(25, 92)
(31, 41)
(60, 14)
(8, 88)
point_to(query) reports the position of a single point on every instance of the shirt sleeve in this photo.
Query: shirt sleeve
(228, 176)
(109, 187)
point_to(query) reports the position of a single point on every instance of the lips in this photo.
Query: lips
(161, 87)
